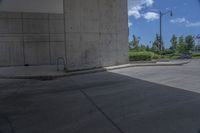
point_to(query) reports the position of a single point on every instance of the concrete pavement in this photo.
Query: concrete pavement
(105, 102)
(184, 77)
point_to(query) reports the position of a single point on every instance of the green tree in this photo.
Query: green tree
(131, 44)
(156, 44)
(155, 49)
(147, 48)
(174, 42)
(181, 48)
(143, 47)
(185, 44)
(135, 41)
(181, 40)
(190, 43)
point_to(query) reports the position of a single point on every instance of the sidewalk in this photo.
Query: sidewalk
(50, 72)
(30, 72)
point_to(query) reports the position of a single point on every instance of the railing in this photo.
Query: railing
(58, 63)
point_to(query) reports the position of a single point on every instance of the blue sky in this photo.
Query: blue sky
(144, 19)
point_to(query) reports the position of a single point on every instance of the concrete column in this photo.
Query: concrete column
(96, 33)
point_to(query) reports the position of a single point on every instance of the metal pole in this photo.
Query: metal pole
(161, 45)
(161, 38)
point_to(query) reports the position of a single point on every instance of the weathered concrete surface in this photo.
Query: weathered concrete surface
(31, 38)
(106, 102)
(11, 49)
(92, 33)
(96, 33)
(43, 6)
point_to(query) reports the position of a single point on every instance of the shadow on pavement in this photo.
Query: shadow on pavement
(97, 103)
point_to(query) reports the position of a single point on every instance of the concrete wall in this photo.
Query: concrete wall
(92, 33)
(31, 38)
(42, 6)
(96, 33)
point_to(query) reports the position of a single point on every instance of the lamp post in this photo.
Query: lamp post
(161, 15)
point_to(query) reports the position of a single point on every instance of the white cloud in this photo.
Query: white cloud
(151, 16)
(147, 2)
(194, 24)
(179, 20)
(135, 11)
(185, 22)
(135, 7)
(130, 24)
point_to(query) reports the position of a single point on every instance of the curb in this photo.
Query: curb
(51, 77)
(147, 64)
(73, 73)
(37, 77)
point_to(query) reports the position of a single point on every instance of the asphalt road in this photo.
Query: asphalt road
(131, 100)
(185, 77)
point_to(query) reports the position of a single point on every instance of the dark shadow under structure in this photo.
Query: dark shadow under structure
(102, 102)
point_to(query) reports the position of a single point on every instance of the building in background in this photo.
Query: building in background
(86, 33)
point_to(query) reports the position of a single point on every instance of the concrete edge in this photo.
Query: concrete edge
(147, 64)
(51, 77)
(37, 77)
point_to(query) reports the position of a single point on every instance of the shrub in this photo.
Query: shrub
(167, 52)
(156, 56)
(196, 54)
(142, 56)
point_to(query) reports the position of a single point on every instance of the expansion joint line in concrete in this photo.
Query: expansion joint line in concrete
(98, 108)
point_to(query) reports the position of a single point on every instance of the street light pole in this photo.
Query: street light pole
(161, 15)
(161, 42)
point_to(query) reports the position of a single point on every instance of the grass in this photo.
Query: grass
(196, 56)
(170, 57)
